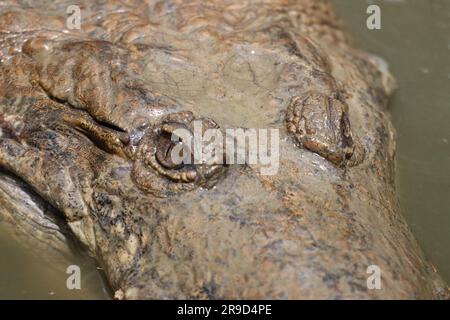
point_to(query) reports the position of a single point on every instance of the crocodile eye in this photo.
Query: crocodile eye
(164, 163)
(166, 144)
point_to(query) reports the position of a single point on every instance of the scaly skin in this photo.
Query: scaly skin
(84, 118)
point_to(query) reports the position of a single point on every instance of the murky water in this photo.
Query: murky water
(415, 40)
(26, 274)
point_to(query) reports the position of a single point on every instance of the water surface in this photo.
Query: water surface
(28, 274)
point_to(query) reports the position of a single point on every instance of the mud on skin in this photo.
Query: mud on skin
(85, 115)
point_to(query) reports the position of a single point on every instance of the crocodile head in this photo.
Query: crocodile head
(88, 119)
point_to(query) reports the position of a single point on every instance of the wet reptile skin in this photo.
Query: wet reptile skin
(84, 118)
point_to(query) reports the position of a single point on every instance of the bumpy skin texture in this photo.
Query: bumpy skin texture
(83, 118)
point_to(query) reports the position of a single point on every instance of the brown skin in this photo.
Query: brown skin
(84, 118)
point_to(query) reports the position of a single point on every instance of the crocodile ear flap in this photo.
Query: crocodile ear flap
(77, 72)
(321, 125)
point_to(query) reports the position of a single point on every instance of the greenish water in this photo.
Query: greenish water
(415, 40)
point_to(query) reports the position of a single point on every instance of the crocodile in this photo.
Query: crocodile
(87, 117)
